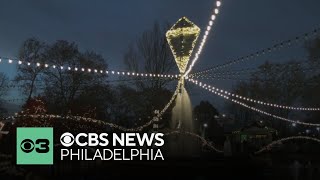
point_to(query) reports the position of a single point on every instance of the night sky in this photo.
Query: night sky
(107, 27)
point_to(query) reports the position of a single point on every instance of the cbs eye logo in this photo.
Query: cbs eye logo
(67, 139)
(27, 145)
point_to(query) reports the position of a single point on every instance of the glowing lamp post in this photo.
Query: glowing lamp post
(182, 37)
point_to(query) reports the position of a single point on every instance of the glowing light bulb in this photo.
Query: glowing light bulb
(216, 11)
(218, 3)
(19, 62)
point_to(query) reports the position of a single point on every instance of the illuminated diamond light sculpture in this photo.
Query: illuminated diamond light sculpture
(182, 38)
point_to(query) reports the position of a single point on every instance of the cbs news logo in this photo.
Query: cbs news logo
(34, 146)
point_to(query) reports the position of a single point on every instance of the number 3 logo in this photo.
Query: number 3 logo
(44, 145)
(27, 145)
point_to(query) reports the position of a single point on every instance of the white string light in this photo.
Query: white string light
(238, 72)
(136, 129)
(89, 70)
(235, 78)
(204, 38)
(229, 94)
(270, 49)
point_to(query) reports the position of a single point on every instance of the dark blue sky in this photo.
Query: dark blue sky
(108, 26)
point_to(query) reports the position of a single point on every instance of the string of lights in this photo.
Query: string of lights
(79, 118)
(249, 70)
(205, 36)
(221, 94)
(229, 94)
(112, 125)
(234, 72)
(280, 141)
(226, 78)
(270, 49)
(87, 70)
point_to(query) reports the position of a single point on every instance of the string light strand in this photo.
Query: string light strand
(221, 94)
(233, 95)
(270, 49)
(89, 70)
(205, 36)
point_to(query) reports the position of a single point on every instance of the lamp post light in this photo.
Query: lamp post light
(205, 125)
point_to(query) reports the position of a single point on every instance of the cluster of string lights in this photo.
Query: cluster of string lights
(298, 84)
(246, 71)
(80, 118)
(255, 79)
(219, 92)
(89, 70)
(224, 95)
(205, 36)
(229, 94)
(112, 125)
(270, 49)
